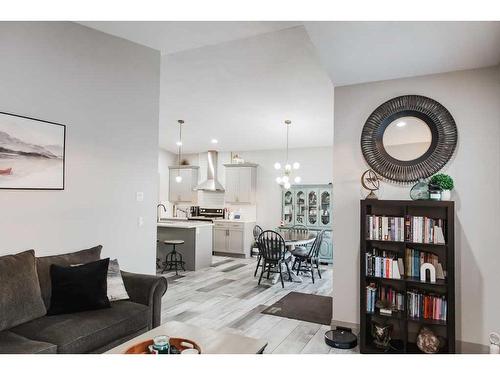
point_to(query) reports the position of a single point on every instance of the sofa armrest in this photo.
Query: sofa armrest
(147, 290)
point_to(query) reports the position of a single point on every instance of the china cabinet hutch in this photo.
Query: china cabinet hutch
(310, 205)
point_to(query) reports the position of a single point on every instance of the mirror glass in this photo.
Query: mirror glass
(407, 138)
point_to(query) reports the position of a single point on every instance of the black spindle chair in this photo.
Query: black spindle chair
(257, 230)
(308, 257)
(299, 229)
(272, 248)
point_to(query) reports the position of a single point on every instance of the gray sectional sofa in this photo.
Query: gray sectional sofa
(25, 290)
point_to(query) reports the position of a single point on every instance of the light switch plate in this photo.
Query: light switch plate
(139, 196)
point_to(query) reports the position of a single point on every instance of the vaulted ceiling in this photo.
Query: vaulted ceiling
(238, 81)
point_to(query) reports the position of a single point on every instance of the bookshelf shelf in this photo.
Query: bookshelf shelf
(406, 327)
(409, 280)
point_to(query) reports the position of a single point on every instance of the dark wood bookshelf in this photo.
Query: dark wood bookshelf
(405, 327)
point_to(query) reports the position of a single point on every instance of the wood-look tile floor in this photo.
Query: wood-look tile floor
(226, 297)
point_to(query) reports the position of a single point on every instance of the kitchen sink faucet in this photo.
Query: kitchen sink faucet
(158, 212)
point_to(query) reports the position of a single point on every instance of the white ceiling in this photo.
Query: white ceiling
(174, 36)
(356, 52)
(240, 93)
(238, 81)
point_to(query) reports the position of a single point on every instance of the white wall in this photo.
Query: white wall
(316, 168)
(473, 98)
(106, 90)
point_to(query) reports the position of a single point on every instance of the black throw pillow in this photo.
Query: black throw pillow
(79, 288)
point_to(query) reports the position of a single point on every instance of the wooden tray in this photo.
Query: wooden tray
(177, 342)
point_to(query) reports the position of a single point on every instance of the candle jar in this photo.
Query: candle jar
(161, 345)
(434, 192)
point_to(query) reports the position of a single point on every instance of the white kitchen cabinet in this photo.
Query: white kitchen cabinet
(183, 191)
(241, 183)
(233, 237)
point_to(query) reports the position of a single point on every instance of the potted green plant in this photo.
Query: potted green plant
(445, 183)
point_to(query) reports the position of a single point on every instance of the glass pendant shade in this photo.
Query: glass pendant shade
(288, 168)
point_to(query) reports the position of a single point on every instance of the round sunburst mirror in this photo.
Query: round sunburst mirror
(409, 138)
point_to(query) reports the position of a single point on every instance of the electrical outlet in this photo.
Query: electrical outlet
(140, 221)
(139, 196)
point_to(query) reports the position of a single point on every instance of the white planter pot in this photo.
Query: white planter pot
(446, 195)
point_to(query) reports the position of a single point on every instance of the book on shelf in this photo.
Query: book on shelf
(388, 296)
(383, 263)
(414, 260)
(426, 306)
(385, 228)
(421, 229)
(418, 229)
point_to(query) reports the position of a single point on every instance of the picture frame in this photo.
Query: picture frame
(32, 153)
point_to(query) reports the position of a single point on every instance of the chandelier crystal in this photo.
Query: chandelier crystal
(287, 169)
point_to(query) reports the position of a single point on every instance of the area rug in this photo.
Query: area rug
(301, 306)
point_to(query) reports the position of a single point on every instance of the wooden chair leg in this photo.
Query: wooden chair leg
(268, 270)
(298, 267)
(261, 273)
(288, 270)
(312, 271)
(257, 267)
(317, 265)
(281, 276)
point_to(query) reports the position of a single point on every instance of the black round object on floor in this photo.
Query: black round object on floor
(341, 338)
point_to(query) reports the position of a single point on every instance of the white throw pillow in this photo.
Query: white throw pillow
(116, 287)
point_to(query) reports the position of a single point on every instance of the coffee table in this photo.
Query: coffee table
(209, 340)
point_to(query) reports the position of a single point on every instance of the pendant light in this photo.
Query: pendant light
(286, 177)
(178, 178)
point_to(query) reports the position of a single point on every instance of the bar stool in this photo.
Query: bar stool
(173, 259)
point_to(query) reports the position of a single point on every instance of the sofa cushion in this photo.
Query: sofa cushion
(87, 331)
(43, 267)
(79, 288)
(10, 343)
(20, 298)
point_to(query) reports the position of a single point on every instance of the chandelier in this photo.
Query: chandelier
(178, 178)
(286, 171)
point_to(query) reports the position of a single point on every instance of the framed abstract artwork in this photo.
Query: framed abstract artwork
(32, 153)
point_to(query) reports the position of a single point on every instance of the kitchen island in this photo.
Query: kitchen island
(197, 247)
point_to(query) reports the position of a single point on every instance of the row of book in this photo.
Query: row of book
(419, 305)
(383, 263)
(387, 264)
(414, 260)
(391, 299)
(426, 306)
(425, 230)
(417, 229)
(385, 228)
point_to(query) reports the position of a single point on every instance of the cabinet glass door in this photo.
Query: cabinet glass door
(325, 208)
(300, 213)
(312, 207)
(288, 207)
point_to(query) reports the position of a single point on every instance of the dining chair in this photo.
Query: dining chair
(272, 248)
(308, 257)
(257, 230)
(299, 229)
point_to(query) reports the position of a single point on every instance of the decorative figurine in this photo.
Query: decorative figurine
(371, 182)
(381, 333)
(428, 341)
(432, 272)
(494, 343)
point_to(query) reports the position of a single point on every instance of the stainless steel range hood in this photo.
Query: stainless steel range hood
(211, 183)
